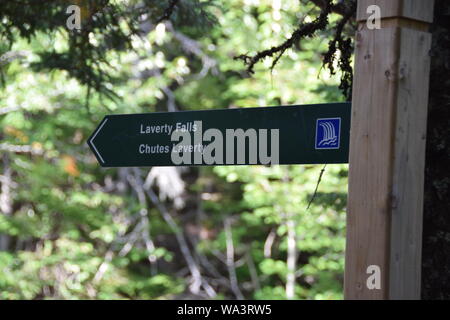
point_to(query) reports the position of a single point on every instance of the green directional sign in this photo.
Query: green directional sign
(300, 134)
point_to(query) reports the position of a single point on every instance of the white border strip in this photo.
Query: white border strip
(93, 137)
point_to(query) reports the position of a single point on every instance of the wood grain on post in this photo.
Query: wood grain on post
(387, 150)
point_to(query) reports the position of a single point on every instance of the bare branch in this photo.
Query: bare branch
(230, 261)
(6, 110)
(291, 257)
(317, 187)
(6, 199)
(197, 278)
(269, 243)
(21, 149)
(13, 55)
(137, 184)
(252, 270)
(192, 46)
(103, 267)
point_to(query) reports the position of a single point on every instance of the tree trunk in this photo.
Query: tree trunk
(436, 227)
(5, 199)
(291, 258)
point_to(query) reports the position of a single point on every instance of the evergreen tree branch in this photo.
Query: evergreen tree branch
(168, 12)
(304, 30)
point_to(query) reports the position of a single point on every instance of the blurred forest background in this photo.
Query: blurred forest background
(72, 230)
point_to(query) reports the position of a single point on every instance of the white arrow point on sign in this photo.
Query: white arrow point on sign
(92, 140)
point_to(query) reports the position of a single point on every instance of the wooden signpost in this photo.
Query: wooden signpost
(387, 151)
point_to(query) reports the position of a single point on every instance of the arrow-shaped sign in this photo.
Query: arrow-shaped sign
(307, 134)
(91, 141)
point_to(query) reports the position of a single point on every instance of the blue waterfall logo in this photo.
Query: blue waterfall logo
(328, 133)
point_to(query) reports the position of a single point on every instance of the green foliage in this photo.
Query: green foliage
(76, 231)
(273, 195)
